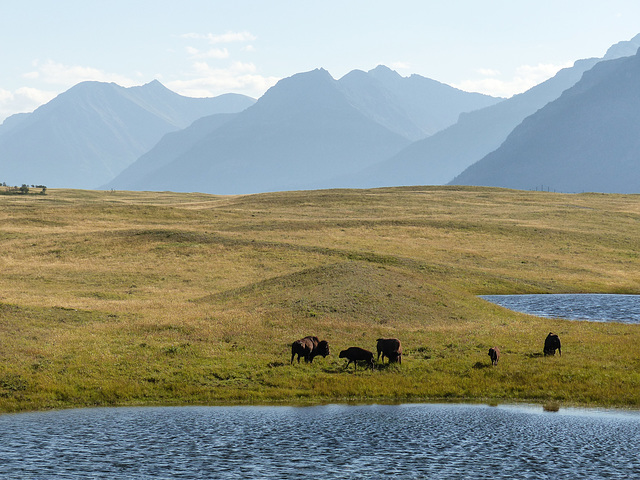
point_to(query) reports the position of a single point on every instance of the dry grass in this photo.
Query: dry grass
(111, 298)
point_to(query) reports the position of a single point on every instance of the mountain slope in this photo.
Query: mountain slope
(438, 159)
(170, 147)
(586, 140)
(88, 134)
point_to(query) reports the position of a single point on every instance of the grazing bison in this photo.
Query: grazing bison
(551, 343)
(356, 354)
(309, 347)
(494, 354)
(390, 348)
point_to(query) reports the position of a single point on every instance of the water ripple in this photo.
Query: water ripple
(406, 442)
(593, 307)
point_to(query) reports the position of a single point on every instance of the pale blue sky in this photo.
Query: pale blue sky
(210, 47)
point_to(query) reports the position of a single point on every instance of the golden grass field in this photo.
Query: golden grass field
(140, 298)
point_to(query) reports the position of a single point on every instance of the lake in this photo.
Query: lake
(328, 442)
(591, 307)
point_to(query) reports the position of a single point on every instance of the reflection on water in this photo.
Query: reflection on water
(404, 442)
(592, 307)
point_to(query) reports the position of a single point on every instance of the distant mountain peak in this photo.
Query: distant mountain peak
(385, 74)
(92, 86)
(299, 89)
(318, 74)
(315, 73)
(623, 49)
(384, 70)
(153, 85)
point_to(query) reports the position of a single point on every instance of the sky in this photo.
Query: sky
(210, 47)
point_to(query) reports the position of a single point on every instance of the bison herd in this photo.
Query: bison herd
(310, 347)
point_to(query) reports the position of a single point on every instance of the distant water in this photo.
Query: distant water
(328, 442)
(591, 307)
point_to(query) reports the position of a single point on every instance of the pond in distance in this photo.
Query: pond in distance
(593, 307)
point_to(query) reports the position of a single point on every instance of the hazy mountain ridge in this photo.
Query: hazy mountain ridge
(586, 140)
(88, 134)
(437, 159)
(302, 133)
(299, 130)
(308, 131)
(413, 106)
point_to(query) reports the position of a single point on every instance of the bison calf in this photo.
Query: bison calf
(357, 354)
(494, 354)
(551, 344)
(390, 348)
(308, 348)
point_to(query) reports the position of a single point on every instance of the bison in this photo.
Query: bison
(356, 354)
(494, 354)
(551, 344)
(390, 348)
(309, 347)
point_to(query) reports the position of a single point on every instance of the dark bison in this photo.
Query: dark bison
(390, 348)
(551, 344)
(494, 354)
(309, 347)
(357, 354)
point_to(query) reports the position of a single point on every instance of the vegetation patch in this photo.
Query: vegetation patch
(137, 298)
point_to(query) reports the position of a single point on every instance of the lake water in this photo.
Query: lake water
(327, 442)
(591, 307)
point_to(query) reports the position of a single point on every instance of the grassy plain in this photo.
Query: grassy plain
(134, 298)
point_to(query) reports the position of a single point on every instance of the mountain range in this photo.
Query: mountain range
(301, 134)
(586, 140)
(437, 159)
(91, 132)
(574, 132)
